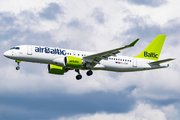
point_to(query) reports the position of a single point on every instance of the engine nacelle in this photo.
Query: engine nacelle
(73, 62)
(54, 69)
(68, 61)
(60, 61)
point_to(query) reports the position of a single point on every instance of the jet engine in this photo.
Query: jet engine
(68, 61)
(58, 70)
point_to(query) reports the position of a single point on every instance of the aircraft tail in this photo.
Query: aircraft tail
(153, 50)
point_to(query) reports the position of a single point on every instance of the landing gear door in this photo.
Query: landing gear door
(29, 50)
(134, 62)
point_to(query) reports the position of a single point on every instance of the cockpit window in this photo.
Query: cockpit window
(12, 48)
(16, 48)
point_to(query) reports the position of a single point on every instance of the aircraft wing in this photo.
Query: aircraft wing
(96, 58)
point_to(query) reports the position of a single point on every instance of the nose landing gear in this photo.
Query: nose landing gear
(18, 67)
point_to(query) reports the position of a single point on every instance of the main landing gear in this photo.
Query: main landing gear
(79, 76)
(18, 67)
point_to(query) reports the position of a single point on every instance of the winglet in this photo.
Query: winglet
(133, 43)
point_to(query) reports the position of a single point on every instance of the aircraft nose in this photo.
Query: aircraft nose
(7, 53)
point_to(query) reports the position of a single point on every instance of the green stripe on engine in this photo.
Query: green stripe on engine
(73, 62)
(58, 70)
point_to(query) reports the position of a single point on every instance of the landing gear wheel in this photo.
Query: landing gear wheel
(78, 77)
(17, 61)
(89, 73)
(17, 68)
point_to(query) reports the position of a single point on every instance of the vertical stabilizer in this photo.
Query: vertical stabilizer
(153, 50)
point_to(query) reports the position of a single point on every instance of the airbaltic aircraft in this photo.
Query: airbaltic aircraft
(61, 60)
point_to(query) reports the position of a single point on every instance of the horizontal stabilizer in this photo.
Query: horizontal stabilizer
(161, 61)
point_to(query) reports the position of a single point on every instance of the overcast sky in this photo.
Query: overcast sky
(90, 25)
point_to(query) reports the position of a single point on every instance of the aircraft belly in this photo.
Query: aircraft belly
(115, 66)
(126, 67)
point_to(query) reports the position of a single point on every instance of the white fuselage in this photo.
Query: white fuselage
(46, 55)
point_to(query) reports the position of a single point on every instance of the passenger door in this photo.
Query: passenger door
(29, 50)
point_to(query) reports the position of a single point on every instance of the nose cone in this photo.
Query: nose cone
(7, 53)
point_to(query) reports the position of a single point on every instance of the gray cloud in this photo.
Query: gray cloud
(98, 15)
(173, 27)
(51, 12)
(152, 3)
(75, 23)
(48, 105)
(11, 31)
(6, 19)
(141, 29)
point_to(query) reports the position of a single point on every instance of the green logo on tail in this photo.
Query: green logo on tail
(151, 55)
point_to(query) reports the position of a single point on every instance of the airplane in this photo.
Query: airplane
(61, 60)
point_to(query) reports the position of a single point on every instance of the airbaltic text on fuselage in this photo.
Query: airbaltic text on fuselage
(153, 55)
(50, 50)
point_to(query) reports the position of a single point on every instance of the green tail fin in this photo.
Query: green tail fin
(153, 50)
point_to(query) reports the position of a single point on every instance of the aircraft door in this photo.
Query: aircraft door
(134, 62)
(29, 50)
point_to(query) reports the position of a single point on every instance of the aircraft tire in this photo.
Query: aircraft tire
(89, 73)
(78, 77)
(17, 68)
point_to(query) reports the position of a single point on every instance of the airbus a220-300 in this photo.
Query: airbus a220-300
(60, 61)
